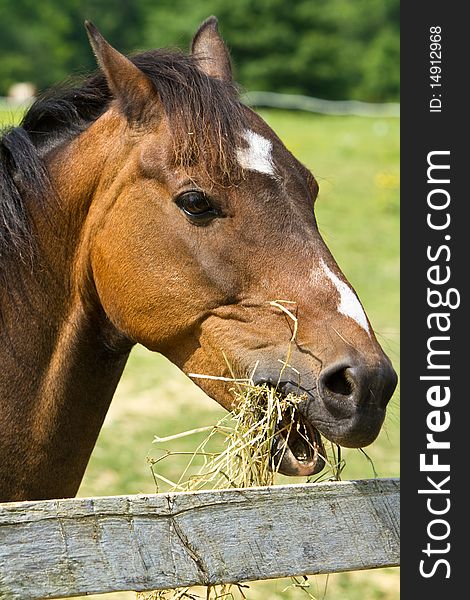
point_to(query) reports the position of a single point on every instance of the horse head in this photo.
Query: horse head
(208, 251)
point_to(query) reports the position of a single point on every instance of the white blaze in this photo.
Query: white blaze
(349, 304)
(257, 156)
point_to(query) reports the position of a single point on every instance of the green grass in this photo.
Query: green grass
(356, 163)
(10, 116)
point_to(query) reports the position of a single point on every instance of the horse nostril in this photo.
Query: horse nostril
(338, 382)
(358, 384)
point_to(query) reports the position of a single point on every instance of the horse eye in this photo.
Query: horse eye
(196, 205)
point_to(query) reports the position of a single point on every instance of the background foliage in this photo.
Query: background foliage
(336, 49)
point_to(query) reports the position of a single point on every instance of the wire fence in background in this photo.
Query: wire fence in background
(321, 106)
(286, 101)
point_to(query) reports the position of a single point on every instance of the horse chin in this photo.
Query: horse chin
(298, 449)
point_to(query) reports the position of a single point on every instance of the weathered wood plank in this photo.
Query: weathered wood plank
(60, 548)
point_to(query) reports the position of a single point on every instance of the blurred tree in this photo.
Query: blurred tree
(45, 42)
(328, 48)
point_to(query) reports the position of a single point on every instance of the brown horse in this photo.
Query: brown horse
(148, 205)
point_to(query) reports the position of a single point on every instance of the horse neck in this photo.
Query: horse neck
(61, 359)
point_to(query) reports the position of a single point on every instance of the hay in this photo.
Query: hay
(248, 433)
(246, 459)
(261, 421)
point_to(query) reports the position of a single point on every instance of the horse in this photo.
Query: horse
(147, 204)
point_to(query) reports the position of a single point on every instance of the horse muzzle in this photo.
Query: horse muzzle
(346, 404)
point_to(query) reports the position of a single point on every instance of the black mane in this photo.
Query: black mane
(205, 117)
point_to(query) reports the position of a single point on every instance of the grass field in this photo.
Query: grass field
(356, 163)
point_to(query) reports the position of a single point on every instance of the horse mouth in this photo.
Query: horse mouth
(297, 448)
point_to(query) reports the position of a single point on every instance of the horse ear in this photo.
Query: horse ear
(210, 49)
(127, 82)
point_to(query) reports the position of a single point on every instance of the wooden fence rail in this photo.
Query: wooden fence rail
(61, 548)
